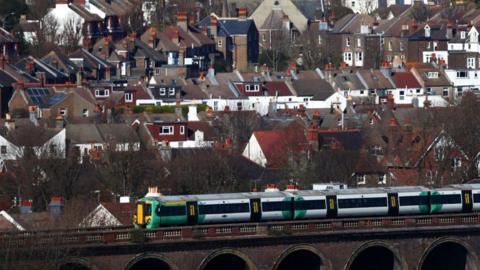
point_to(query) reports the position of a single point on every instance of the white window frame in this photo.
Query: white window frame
(106, 92)
(219, 43)
(63, 111)
(171, 91)
(382, 179)
(347, 42)
(347, 56)
(129, 97)
(460, 72)
(166, 130)
(361, 179)
(163, 91)
(359, 42)
(182, 130)
(85, 112)
(358, 56)
(249, 88)
(471, 62)
(432, 75)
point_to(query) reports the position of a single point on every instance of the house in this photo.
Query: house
(396, 31)
(236, 38)
(275, 148)
(44, 72)
(60, 61)
(46, 103)
(428, 44)
(20, 135)
(84, 141)
(119, 137)
(166, 89)
(109, 214)
(271, 15)
(113, 14)
(94, 67)
(435, 82)
(408, 89)
(377, 82)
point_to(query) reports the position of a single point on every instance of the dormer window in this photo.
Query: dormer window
(128, 97)
(252, 87)
(432, 75)
(427, 31)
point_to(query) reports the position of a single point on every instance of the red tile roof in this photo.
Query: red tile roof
(405, 80)
(121, 211)
(276, 144)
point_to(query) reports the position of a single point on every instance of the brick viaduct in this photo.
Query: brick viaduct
(416, 243)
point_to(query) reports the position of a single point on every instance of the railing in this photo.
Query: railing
(127, 234)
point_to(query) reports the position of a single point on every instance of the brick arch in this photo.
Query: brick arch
(157, 256)
(396, 254)
(294, 248)
(472, 259)
(251, 265)
(75, 260)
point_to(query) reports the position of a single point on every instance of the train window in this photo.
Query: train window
(177, 210)
(476, 198)
(148, 209)
(446, 199)
(224, 208)
(310, 204)
(362, 202)
(413, 200)
(276, 206)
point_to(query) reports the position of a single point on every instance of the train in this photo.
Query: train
(155, 210)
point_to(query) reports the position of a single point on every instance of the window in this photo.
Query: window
(347, 56)
(359, 42)
(402, 95)
(182, 130)
(401, 47)
(53, 148)
(128, 97)
(3, 149)
(264, 37)
(456, 163)
(361, 179)
(462, 74)
(252, 87)
(382, 179)
(471, 62)
(239, 106)
(390, 46)
(85, 112)
(445, 92)
(359, 56)
(428, 45)
(417, 91)
(459, 91)
(319, 39)
(432, 75)
(353, 3)
(347, 42)
(63, 111)
(462, 34)
(171, 91)
(162, 91)
(102, 93)
(219, 43)
(435, 44)
(166, 130)
(428, 90)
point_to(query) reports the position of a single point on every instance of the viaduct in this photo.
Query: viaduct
(450, 242)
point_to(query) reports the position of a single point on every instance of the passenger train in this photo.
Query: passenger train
(154, 210)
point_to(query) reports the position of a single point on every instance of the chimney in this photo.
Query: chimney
(271, 188)
(242, 13)
(213, 26)
(191, 20)
(390, 101)
(204, 29)
(291, 188)
(153, 38)
(182, 20)
(153, 192)
(181, 56)
(108, 74)
(32, 113)
(176, 37)
(427, 31)
(79, 78)
(386, 69)
(26, 207)
(9, 122)
(312, 135)
(449, 29)
(192, 113)
(59, 121)
(55, 207)
(286, 22)
(41, 77)
(178, 107)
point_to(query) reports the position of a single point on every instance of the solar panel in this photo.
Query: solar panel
(56, 98)
(36, 94)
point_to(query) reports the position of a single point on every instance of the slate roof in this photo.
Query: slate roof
(375, 79)
(52, 74)
(149, 52)
(63, 63)
(6, 79)
(6, 37)
(83, 134)
(274, 20)
(350, 140)
(351, 23)
(118, 133)
(348, 82)
(90, 61)
(318, 88)
(437, 32)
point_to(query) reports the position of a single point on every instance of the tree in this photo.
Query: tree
(277, 54)
(72, 34)
(312, 50)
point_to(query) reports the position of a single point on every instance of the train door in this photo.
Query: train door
(393, 207)
(332, 209)
(467, 202)
(192, 213)
(255, 210)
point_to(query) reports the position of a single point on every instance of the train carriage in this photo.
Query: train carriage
(412, 200)
(277, 207)
(309, 204)
(445, 200)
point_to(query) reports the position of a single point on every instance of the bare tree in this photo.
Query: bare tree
(71, 35)
(277, 54)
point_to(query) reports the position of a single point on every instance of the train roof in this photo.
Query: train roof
(283, 194)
